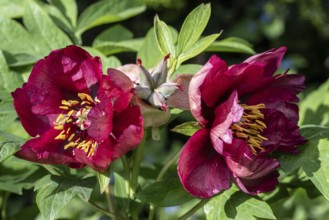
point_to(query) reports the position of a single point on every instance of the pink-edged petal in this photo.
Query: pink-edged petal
(132, 71)
(32, 123)
(45, 149)
(201, 169)
(271, 58)
(101, 159)
(283, 134)
(119, 88)
(100, 117)
(225, 115)
(197, 91)
(180, 99)
(279, 93)
(127, 130)
(254, 175)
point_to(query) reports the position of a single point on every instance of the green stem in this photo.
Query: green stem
(4, 205)
(110, 200)
(193, 210)
(137, 162)
(151, 213)
(100, 209)
(126, 168)
(168, 164)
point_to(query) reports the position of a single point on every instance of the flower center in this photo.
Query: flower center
(74, 124)
(251, 126)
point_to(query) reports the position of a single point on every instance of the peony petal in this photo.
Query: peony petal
(32, 123)
(101, 159)
(119, 88)
(252, 173)
(225, 115)
(45, 149)
(279, 93)
(132, 71)
(282, 133)
(198, 83)
(271, 58)
(180, 99)
(202, 170)
(100, 117)
(128, 130)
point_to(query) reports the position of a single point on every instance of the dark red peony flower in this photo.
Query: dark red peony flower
(247, 113)
(77, 115)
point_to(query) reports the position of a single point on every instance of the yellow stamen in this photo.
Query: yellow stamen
(61, 136)
(251, 126)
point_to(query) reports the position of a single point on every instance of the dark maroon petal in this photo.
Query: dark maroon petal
(180, 98)
(254, 175)
(201, 169)
(279, 93)
(271, 58)
(225, 115)
(127, 130)
(100, 117)
(45, 149)
(32, 123)
(119, 88)
(101, 159)
(283, 134)
(214, 65)
(220, 81)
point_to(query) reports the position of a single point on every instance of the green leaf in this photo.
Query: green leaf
(103, 181)
(14, 38)
(8, 79)
(11, 8)
(312, 157)
(149, 52)
(197, 48)
(187, 128)
(17, 175)
(168, 192)
(9, 144)
(193, 27)
(68, 8)
(112, 62)
(120, 191)
(104, 12)
(109, 48)
(231, 44)
(234, 204)
(186, 69)
(163, 37)
(55, 192)
(43, 30)
(115, 33)
(314, 109)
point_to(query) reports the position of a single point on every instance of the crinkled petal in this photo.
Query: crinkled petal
(271, 58)
(180, 99)
(282, 133)
(279, 93)
(225, 115)
(127, 130)
(100, 117)
(254, 176)
(101, 159)
(32, 123)
(196, 96)
(132, 71)
(45, 149)
(119, 89)
(201, 169)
